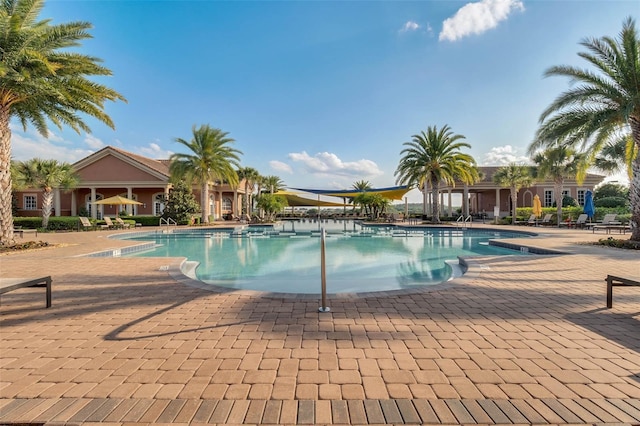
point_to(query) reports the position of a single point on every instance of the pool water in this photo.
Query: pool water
(361, 259)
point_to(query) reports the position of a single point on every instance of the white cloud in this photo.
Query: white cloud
(409, 26)
(476, 18)
(93, 142)
(155, 151)
(503, 155)
(280, 166)
(25, 146)
(328, 164)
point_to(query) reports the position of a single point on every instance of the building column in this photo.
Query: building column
(498, 199)
(74, 203)
(94, 207)
(56, 201)
(236, 201)
(450, 204)
(129, 207)
(442, 202)
(465, 200)
(218, 206)
(424, 199)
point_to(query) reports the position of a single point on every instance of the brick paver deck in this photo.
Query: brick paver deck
(523, 340)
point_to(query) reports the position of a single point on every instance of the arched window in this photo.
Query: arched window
(158, 203)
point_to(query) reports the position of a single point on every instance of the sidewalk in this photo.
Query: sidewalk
(517, 340)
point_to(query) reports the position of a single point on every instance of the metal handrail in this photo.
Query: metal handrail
(168, 221)
(468, 219)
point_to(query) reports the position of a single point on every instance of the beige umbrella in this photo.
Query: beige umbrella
(118, 201)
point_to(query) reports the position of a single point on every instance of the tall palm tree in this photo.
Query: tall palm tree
(273, 183)
(361, 185)
(514, 176)
(42, 81)
(617, 156)
(211, 159)
(250, 177)
(558, 163)
(434, 157)
(45, 175)
(600, 104)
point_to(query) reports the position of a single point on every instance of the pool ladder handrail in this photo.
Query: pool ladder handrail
(168, 222)
(462, 221)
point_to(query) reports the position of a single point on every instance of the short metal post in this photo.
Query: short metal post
(323, 274)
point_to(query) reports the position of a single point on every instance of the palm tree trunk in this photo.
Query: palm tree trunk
(634, 182)
(47, 205)
(435, 211)
(557, 188)
(514, 204)
(205, 203)
(6, 215)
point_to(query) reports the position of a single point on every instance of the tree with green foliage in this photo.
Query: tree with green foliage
(611, 189)
(617, 156)
(45, 175)
(273, 183)
(434, 157)
(600, 104)
(250, 177)
(211, 158)
(43, 81)
(558, 163)
(181, 204)
(271, 205)
(374, 204)
(514, 176)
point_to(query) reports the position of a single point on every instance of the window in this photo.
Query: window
(581, 193)
(548, 197)
(158, 203)
(226, 205)
(566, 193)
(30, 202)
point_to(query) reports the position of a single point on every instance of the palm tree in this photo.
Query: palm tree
(600, 104)
(211, 159)
(250, 177)
(42, 81)
(434, 157)
(558, 163)
(273, 183)
(361, 185)
(46, 175)
(617, 156)
(514, 176)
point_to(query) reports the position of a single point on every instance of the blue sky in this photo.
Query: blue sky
(324, 93)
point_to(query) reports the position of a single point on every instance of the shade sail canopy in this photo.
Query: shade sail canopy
(392, 193)
(117, 201)
(297, 200)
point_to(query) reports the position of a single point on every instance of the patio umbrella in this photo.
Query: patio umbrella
(117, 201)
(589, 207)
(537, 206)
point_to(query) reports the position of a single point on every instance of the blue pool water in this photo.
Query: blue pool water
(286, 257)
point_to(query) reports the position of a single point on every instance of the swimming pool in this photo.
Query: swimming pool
(359, 258)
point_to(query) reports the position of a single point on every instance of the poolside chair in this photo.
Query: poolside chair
(86, 223)
(533, 219)
(546, 220)
(581, 221)
(121, 223)
(109, 223)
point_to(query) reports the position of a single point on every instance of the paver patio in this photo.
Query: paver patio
(517, 340)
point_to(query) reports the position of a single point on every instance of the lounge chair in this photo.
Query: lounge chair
(10, 284)
(121, 223)
(109, 223)
(86, 223)
(546, 220)
(608, 219)
(530, 221)
(581, 221)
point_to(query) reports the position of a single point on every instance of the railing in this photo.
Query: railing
(463, 222)
(168, 222)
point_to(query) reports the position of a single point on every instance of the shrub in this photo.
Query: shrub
(611, 202)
